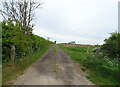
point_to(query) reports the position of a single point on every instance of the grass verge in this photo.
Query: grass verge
(101, 71)
(54, 49)
(0, 75)
(12, 70)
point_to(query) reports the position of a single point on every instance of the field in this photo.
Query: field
(78, 45)
(101, 71)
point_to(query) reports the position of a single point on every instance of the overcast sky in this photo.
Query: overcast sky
(82, 21)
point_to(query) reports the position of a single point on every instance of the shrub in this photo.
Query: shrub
(107, 67)
(111, 46)
(24, 44)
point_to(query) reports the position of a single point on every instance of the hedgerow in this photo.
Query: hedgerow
(13, 35)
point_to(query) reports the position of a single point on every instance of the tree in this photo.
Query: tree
(17, 38)
(111, 46)
(11, 38)
(18, 16)
(23, 12)
(55, 42)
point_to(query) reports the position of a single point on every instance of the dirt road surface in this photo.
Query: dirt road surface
(54, 68)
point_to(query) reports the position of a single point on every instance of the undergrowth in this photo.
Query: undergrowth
(102, 71)
(11, 70)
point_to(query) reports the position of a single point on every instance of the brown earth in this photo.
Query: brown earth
(78, 45)
(54, 68)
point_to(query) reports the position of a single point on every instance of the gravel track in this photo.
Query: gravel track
(53, 69)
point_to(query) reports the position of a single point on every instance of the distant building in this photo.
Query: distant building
(72, 42)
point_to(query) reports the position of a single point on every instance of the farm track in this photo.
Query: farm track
(54, 68)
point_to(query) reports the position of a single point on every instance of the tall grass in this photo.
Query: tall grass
(102, 71)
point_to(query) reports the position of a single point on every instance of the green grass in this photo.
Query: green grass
(102, 71)
(54, 49)
(0, 70)
(12, 70)
(96, 77)
(0, 74)
(78, 53)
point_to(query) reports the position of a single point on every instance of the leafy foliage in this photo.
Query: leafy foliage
(12, 34)
(111, 46)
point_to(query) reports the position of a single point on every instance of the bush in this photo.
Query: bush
(107, 67)
(111, 46)
(24, 44)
